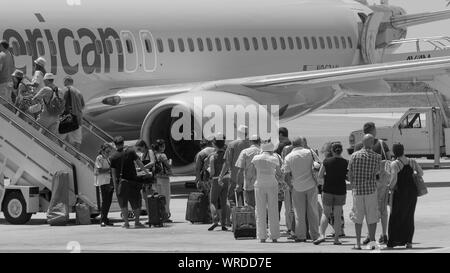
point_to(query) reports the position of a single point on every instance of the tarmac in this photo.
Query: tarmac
(432, 218)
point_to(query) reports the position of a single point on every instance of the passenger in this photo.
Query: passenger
(76, 108)
(404, 190)
(326, 151)
(7, 68)
(24, 95)
(219, 188)
(284, 141)
(103, 180)
(334, 172)
(201, 172)
(289, 213)
(234, 149)
(381, 148)
(124, 176)
(363, 168)
(243, 163)
(53, 101)
(162, 171)
(37, 82)
(267, 168)
(142, 148)
(299, 164)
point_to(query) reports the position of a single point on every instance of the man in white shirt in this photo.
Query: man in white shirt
(7, 67)
(299, 164)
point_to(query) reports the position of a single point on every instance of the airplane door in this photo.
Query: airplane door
(148, 50)
(414, 131)
(130, 51)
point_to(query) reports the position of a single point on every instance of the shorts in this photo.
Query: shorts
(331, 200)
(365, 206)
(129, 194)
(74, 136)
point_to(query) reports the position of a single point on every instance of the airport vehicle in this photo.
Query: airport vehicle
(137, 61)
(30, 156)
(424, 131)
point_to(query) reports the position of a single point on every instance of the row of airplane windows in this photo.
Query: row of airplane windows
(209, 44)
(254, 43)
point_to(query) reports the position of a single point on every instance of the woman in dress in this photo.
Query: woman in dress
(404, 198)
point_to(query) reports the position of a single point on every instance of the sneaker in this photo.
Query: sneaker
(319, 241)
(224, 228)
(383, 239)
(211, 228)
(366, 241)
(292, 237)
(126, 226)
(109, 223)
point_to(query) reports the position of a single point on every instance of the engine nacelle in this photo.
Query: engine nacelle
(203, 108)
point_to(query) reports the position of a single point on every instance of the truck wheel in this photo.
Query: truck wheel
(15, 209)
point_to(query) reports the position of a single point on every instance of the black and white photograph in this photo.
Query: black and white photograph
(233, 127)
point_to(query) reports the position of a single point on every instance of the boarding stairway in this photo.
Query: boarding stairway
(30, 155)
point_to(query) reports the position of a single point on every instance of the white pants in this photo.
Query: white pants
(267, 202)
(289, 210)
(163, 188)
(305, 205)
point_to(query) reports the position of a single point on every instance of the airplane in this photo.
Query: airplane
(136, 60)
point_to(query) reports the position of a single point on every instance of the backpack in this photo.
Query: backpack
(56, 104)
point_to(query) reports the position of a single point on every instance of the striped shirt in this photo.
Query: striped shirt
(363, 167)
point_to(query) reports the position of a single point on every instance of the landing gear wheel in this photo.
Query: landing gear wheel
(15, 209)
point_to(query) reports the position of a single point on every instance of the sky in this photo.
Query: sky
(441, 28)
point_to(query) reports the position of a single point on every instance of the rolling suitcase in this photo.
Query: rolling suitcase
(244, 221)
(156, 210)
(197, 209)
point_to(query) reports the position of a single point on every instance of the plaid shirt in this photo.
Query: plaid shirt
(363, 167)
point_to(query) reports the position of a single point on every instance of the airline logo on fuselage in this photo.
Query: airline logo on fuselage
(418, 57)
(91, 60)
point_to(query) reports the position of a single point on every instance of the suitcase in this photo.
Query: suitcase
(244, 221)
(83, 214)
(156, 210)
(197, 209)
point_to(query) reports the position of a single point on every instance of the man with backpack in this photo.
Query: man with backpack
(201, 165)
(53, 100)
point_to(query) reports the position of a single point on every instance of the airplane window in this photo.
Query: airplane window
(322, 42)
(299, 43)
(264, 43)
(350, 42)
(237, 45)
(181, 44)
(148, 46)
(274, 43)
(98, 47)
(336, 42)
(15, 48)
(29, 49)
(329, 42)
(40, 47)
(218, 44)
(314, 42)
(282, 43)
(291, 43)
(246, 44)
(109, 46)
(160, 45)
(209, 44)
(118, 44)
(344, 43)
(129, 45)
(191, 44)
(171, 45)
(255, 43)
(306, 41)
(227, 44)
(200, 44)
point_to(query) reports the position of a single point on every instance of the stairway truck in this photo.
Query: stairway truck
(423, 131)
(19, 203)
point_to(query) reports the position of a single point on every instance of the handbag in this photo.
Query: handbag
(145, 178)
(68, 122)
(420, 184)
